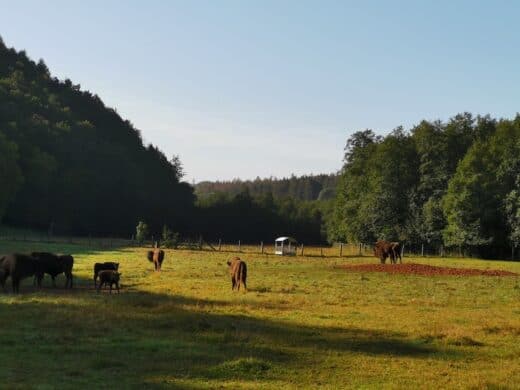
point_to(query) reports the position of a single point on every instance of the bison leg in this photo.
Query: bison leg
(53, 280)
(117, 287)
(39, 279)
(233, 283)
(398, 255)
(16, 284)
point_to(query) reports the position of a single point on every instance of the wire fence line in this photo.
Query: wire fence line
(334, 250)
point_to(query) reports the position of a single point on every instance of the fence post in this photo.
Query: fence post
(340, 249)
(239, 247)
(302, 250)
(360, 252)
(220, 244)
(422, 249)
(261, 247)
(321, 251)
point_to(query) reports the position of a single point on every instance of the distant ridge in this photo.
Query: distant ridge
(306, 187)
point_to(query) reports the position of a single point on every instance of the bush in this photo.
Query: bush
(141, 232)
(170, 239)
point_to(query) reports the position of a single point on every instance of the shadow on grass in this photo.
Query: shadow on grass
(137, 339)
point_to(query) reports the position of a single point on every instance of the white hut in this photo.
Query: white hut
(284, 246)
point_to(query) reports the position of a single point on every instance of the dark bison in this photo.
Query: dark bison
(54, 265)
(107, 266)
(156, 257)
(18, 267)
(386, 249)
(238, 271)
(109, 277)
(396, 249)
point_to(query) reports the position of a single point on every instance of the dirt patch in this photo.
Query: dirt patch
(423, 269)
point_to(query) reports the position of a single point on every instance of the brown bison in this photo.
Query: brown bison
(156, 257)
(386, 249)
(54, 265)
(18, 267)
(109, 277)
(238, 271)
(106, 266)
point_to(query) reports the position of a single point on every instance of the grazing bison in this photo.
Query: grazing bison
(54, 265)
(156, 257)
(109, 277)
(18, 267)
(238, 271)
(383, 250)
(107, 266)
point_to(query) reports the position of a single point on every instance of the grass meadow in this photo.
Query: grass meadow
(302, 324)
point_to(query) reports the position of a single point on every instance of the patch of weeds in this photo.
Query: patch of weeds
(465, 341)
(262, 289)
(239, 368)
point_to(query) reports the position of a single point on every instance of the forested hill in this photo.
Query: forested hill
(307, 187)
(70, 163)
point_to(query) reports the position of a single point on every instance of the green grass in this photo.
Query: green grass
(303, 323)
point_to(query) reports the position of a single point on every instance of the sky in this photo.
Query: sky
(240, 89)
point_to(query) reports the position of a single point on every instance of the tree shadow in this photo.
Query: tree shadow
(138, 338)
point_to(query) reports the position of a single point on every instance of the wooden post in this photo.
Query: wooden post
(220, 244)
(340, 249)
(321, 251)
(360, 250)
(422, 249)
(261, 247)
(302, 250)
(239, 245)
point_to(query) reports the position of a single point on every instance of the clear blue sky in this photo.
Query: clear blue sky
(260, 88)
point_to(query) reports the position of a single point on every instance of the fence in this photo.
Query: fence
(336, 250)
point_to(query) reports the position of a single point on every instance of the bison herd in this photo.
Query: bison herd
(37, 264)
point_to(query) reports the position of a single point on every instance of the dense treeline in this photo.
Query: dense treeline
(453, 184)
(307, 187)
(71, 164)
(260, 218)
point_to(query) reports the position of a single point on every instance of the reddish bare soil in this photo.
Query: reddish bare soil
(423, 269)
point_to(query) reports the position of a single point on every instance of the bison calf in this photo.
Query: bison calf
(108, 277)
(107, 266)
(238, 271)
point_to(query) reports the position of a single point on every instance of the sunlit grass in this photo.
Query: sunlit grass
(303, 323)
